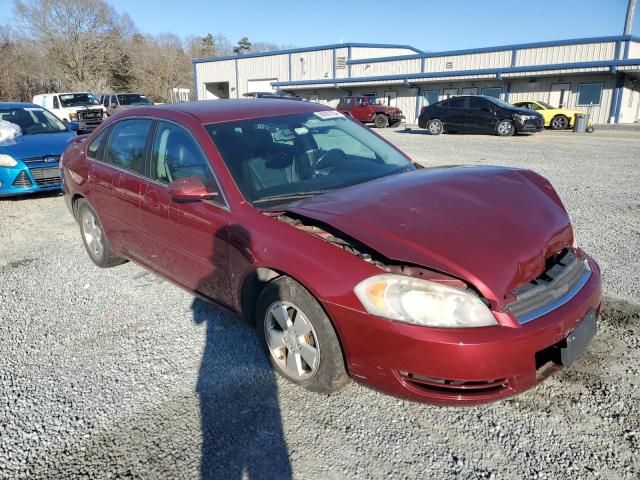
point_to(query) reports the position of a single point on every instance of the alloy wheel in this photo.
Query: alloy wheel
(560, 123)
(92, 233)
(435, 128)
(292, 340)
(504, 128)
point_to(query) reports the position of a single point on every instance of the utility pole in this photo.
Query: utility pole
(628, 24)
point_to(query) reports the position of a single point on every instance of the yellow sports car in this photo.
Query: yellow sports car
(556, 118)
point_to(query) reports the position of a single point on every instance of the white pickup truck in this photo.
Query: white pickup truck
(80, 107)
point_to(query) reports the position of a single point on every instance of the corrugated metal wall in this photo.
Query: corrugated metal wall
(470, 62)
(634, 49)
(385, 68)
(585, 52)
(358, 53)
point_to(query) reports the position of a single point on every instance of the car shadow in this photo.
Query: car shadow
(242, 435)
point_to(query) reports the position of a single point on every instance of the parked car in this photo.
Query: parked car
(556, 118)
(29, 162)
(444, 285)
(480, 114)
(80, 107)
(370, 110)
(122, 101)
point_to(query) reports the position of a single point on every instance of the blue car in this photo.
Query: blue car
(30, 162)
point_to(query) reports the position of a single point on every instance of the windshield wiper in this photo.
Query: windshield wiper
(290, 196)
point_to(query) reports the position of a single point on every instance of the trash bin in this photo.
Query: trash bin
(581, 122)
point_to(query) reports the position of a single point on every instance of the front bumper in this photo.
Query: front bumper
(458, 366)
(23, 180)
(530, 126)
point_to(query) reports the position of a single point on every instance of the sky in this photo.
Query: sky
(428, 25)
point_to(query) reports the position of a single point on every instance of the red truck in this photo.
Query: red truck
(370, 110)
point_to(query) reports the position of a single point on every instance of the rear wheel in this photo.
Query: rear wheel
(381, 121)
(559, 122)
(435, 126)
(94, 239)
(299, 338)
(505, 128)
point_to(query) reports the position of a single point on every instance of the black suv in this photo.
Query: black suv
(478, 113)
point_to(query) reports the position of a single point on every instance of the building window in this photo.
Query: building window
(430, 97)
(370, 94)
(590, 94)
(494, 92)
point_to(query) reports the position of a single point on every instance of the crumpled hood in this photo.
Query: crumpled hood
(38, 145)
(491, 226)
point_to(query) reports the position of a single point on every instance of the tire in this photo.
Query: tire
(381, 121)
(435, 126)
(590, 129)
(325, 372)
(93, 237)
(559, 122)
(505, 128)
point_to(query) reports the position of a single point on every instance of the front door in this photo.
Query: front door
(480, 115)
(187, 241)
(391, 99)
(559, 95)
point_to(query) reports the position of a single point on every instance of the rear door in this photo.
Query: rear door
(117, 182)
(186, 241)
(456, 114)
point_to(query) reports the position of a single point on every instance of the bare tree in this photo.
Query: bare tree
(83, 38)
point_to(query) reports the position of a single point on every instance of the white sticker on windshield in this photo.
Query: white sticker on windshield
(302, 130)
(328, 114)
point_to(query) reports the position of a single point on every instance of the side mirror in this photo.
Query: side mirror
(190, 189)
(73, 126)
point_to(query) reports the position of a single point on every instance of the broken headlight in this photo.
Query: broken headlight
(422, 302)
(523, 118)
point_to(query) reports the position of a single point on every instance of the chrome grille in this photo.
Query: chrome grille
(89, 114)
(22, 180)
(46, 176)
(562, 280)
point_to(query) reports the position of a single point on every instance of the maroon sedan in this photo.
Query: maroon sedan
(453, 285)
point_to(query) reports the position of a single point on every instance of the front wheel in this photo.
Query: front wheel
(381, 121)
(435, 127)
(505, 128)
(299, 338)
(94, 239)
(559, 122)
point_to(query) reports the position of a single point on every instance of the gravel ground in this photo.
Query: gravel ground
(118, 374)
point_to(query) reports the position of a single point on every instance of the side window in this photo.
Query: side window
(361, 102)
(126, 144)
(478, 103)
(105, 100)
(457, 102)
(176, 155)
(56, 103)
(114, 101)
(96, 147)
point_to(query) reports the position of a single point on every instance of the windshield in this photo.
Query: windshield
(546, 105)
(78, 99)
(279, 159)
(133, 99)
(32, 120)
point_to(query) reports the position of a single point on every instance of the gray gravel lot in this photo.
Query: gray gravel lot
(118, 374)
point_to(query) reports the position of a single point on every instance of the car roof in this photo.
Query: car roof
(18, 105)
(211, 111)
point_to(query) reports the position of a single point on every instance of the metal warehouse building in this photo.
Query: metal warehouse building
(599, 75)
